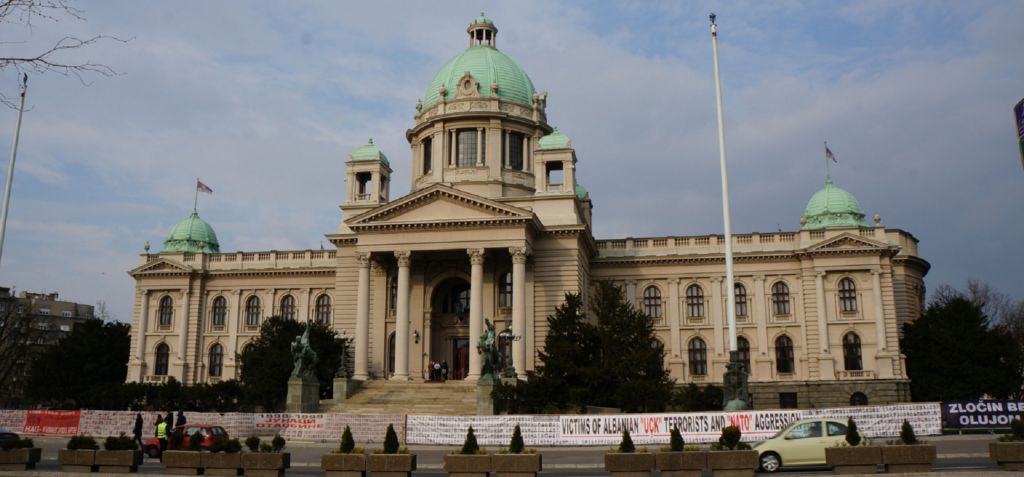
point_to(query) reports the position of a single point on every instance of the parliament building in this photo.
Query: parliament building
(496, 226)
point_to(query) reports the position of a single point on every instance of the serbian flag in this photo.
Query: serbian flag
(829, 155)
(203, 187)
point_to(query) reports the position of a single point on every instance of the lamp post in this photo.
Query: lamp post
(736, 393)
(507, 337)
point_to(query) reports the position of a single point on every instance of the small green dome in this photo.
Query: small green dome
(581, 192)
(832, 207)
(487, 65)
(555, 140)
(369, 152)
(189, 233)
(482, 20)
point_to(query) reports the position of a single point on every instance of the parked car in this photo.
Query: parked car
(6, 435)
(801, 443)
(210, 434)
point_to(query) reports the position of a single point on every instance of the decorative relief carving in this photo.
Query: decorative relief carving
(476, 256)
(518, 254)
(403, 257)
(363, 259)
(468, 86)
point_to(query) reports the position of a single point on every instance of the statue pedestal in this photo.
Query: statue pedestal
(303, 395)
(484, 401)
(344, 388)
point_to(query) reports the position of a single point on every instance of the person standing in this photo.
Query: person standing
(137, 430)
(444, 370)
(169, 420)
(161, 434)
(180, 421)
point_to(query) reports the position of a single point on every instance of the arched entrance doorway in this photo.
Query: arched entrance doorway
(449, 326)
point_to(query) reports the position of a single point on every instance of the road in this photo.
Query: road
(965, 453)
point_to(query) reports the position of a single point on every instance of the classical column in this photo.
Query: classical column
(479, 147)
(233, 332)
(451, 147)
(143, 319)
(508, 160)
(819, 288)
(876, 284)
(673, 315)
(183, 335)
(519, 309)
(362, 318)
(402, 319)
(476, 312)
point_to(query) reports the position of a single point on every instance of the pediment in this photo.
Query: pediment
(161, 266)
(439, 204)
(847, 241)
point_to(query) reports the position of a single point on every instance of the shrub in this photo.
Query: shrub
(516, 446)
(277, 443)
(907, 434)
(266, 447)
(18, 443)
(391, 441)
(195, 442)
(176, 439)
(347, 443)
(1016, 431)
(730, 440)
(121, 442)
(253, 443)
(675, 440)
(230, 446)
(470, 447)
(626, 445)
(82, 443)
(852, 436)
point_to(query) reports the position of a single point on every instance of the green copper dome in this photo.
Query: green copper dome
(832, 207)
(189, 233)
(581, 192)
(369, 152)
(555, 140)
(487, 65)
(482, 20)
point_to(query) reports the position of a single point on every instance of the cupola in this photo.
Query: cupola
(368, 176)
(192, 235)
(832, 207)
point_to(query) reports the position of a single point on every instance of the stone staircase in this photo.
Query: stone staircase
(410, 397)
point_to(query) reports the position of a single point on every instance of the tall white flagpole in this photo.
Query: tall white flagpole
(10, 167)
(730, 283)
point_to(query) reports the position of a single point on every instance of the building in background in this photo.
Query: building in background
(496, 226)
(32, 322)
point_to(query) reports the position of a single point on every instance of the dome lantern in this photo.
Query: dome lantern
(482, 32)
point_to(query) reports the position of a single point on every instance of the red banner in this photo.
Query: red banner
(57, 423)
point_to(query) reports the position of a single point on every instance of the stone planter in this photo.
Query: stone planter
(266, 464)
(629, 464)
(1009, 455)
(119, 461)
(854, 460)
(182, 462)
(76, 460)
(733, 463)
(459, 465)
(516, 465)
(915, 458)
(221, 463)
(681, 464)
(343, 465)
(391, 465)
(20, 459)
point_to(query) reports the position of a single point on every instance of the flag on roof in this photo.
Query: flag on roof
(203, 187)
(829, 155)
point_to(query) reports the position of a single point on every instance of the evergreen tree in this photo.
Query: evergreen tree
(516, 446)
(92, 358)
(989, 364)
(568, 363)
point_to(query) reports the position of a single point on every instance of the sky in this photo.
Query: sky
(264, 101)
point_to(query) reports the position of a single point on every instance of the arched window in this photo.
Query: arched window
(216, 360)
(515, 151)
(741, 299)
(288, 307)
(858, 399)
(652, 302)
(784, 354)
(391, 354)
(220, 311)
(851, 352)
(694, 301)
(166, 311)
(323, 309)
(505, 290)
(698, 352)
(163, 356)
(743, 352)
(780, 298)
(252, 311)
(393, 294)
(847, 295)
(427, 146)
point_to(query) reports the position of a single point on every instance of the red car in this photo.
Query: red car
(210, 434)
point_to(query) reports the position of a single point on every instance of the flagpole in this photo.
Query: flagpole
(10, 167)
(195, 202)
(828, 172)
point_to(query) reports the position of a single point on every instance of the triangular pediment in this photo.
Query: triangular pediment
(161, 266)
(439, 204)
(847, 241)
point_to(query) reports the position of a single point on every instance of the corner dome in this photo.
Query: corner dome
(581, 192)
(555, 140)
(832, 207)
(488, 66)
(189, 234)
(369, 152)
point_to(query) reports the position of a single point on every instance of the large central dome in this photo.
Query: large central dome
(488, 66)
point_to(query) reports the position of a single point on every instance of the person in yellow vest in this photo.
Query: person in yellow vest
(161, 433)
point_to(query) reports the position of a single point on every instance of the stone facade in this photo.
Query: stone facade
(496, 227)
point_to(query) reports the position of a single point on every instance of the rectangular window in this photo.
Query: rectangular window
(44, 311)
(515, 151)
(555, 176)
(427, 152)
(66, 314)
(466, 153)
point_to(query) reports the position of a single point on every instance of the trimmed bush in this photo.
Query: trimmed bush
(121, 442)
(277, 443)
(1016, 432)
(675, 440)
(907, 434)
(852, 436)
(626, 445)
(516, 446)
(18, 443)
(348, 444)
(391, 441)
(82, 443)
(470, 447)
(195, 442)
(253, 443)
(230, 446)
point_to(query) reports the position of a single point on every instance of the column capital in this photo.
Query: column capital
(876, 272)
(673, 281)
(363, 259)
(717, 279)
(820, 274)
(403, 257)
(518, 254)
(758, 278)
(631, 282)
(476, 256)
